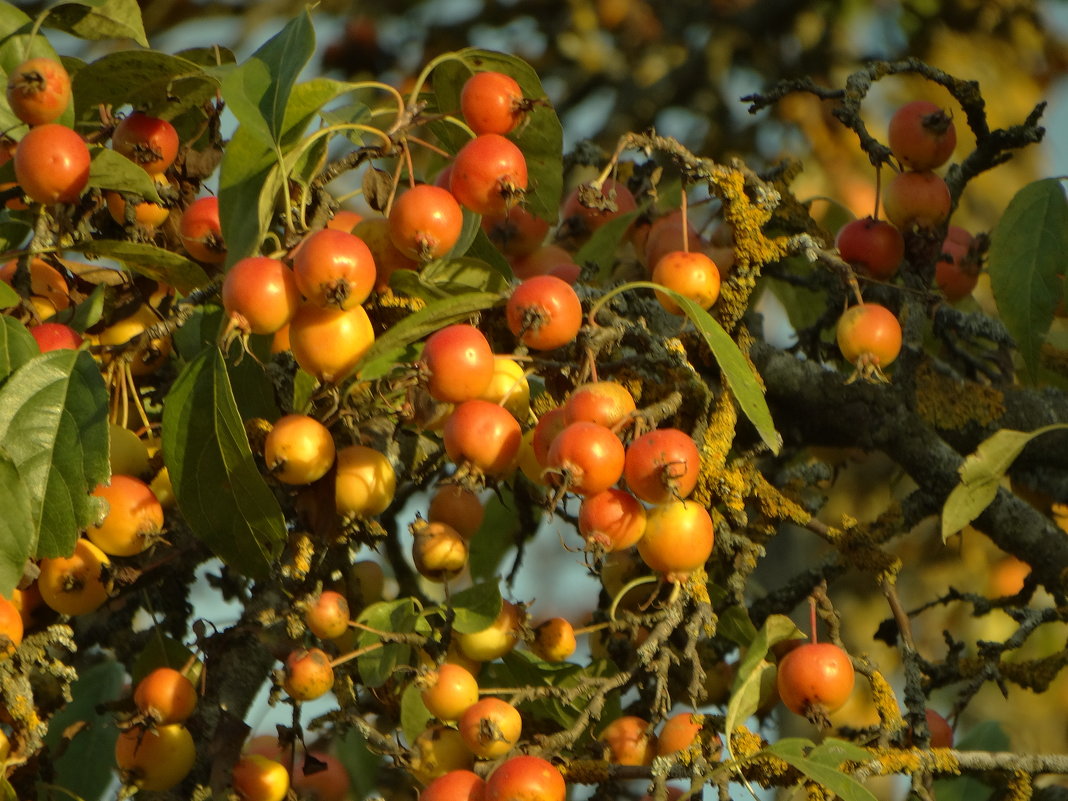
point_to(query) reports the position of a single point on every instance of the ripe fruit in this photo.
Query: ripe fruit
(201, 231)
(586, 458)
(662, 465)
(916, 199)
(437, 751)
(329, 343)
(498, 638)
(438, 550)
(490, 727)
(155, 759)
(374, 231)
(517, 233)
(692, 274)
(678, 733)
(133, 520)
(508, 387)
(587, 208)
(543, 260)
(334, 269)
(492, 102)
(544, 312)
(525, 778)
(147, 141)
(49, 292)
(665, 235)
(630, 741)
(260, 294)
(815, 678)
(298, 449)
(922, 135)
(554, 640)
(459, 507)
(957, 269)
(456, 785)
(258, 778)
(458, 362)
(11, 627)
(38, 91)
(425, 222)
(327, 616)
(166, 696)
(448, 691)
(52, 164)
(151, 357)
(74, 585)
(308, 674)
(941, 731)
(678, 539)
(612, 520)
(365, 482)
(55, 336)
(874, 246)
(607, 403)
(869, 335)
(489, 174)
(484, 436)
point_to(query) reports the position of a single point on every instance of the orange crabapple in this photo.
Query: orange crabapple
(134, 517)
(166, 696)
(12, 626)
(662, 465)
(327, 615)
(298, 449)
(483, 436)
(489, 174)
(425, 222)
(525, 778)
(921, 135)
(458, 363)
(629, 740)
(492, 102)
(916, 199)
(259, 778)
(554, 640)
(690, 273)
(438, 750)
(497, 639)
(149, 142)
(448, 690)
(456, 785)
(869, 335)
(544, 312)
(260, 294)
(334, 269)
(75, 585)
(578, 220)
(508, 387)
(586, 458)
(678, 539)
(490, 727)
(365, 482)
(438, 550)
(329, 343)
(38, 90)
(155, 759)
(607, 403)
(612, 520)
(459, 507)
(52, 164)
(308, 674)
(201, 231)
(815, 679)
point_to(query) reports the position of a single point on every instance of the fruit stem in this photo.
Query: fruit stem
(812, 620)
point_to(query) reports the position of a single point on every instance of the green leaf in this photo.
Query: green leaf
(413, 714)
(462, 275)
(739, 373)
(477, 607)
(85, 763)
(745, 692)
(99, 19)
(150, 261)
(112, 170)
(156, 83)
(8, 296)
(981, 475)
(220, 492)
(400, 616)
(383, 355)
(1026, 262)
(54, 428)
(540, 136)
(17, 345)
(257, 91)
(735, 625)
(834, 752)
(87, 313)
(841, 784)
(495, 536)
(250, 179)
(600, 249)
(360, 762)
(16, 525)
(12, 234)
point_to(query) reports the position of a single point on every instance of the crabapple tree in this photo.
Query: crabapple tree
(473, 460)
